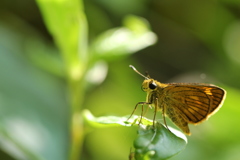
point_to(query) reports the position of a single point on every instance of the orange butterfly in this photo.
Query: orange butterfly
(183, 103)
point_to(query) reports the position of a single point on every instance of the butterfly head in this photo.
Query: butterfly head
(149, 85)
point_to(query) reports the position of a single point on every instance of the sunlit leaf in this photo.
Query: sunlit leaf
(67, 23)
(132, 37)
(105, 121)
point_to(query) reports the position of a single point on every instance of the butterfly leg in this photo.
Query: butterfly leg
(155, 111)
(164, 118)
(146, 110)
(142, 103)
(154, 116)
(163, 115)
(164, 121)
(141, 115)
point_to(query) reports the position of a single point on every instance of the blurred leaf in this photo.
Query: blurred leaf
(114, 43)
(136, 24)
(158, 143)
(66, 22)
(45, 56)
(38, 49)
(33, 111)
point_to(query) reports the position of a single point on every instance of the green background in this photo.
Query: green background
(197, 41)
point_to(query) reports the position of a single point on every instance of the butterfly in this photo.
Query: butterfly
(183, 103)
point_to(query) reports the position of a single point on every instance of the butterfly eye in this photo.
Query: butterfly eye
(152, 85)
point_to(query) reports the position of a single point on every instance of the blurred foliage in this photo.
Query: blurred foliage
(198, 41)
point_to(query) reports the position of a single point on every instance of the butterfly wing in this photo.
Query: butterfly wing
(191, 103)
(196, 102)
(177, 116)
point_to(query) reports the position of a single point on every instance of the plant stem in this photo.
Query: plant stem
(76, 123)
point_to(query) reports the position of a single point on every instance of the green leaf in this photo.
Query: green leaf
(151, 144)
(114, 43)
(105, 121)
(109, 121)
(67, 23)
(158, 143)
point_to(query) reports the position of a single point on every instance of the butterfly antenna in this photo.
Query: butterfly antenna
(138, 72)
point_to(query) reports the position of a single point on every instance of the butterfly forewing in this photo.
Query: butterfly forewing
(195, 102)
(217, 95)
